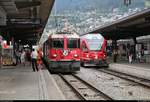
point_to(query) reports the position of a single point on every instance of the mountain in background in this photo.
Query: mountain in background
(82, 13)
(103, 5)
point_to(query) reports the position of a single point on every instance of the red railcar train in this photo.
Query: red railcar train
(93, 48)
(62, 51)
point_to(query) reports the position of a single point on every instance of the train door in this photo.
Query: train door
(84, 47)
(84, 52)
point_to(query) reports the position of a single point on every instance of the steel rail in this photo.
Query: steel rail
(105, 96)
(141, 81)
(94, 88)
(74, 89)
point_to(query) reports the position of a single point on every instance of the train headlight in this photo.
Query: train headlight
(75, 55)
(87, 56)
(96, 57)
(104, 56)
(54, 55)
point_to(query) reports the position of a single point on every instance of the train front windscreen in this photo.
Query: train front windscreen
(94, 41)
(71, 43)
(58, 43)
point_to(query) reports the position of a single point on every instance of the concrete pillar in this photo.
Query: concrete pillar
(135, 42)
(114, 45)
(148, 47)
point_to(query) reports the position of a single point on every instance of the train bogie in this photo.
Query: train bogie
(100, 63)
(64, 66)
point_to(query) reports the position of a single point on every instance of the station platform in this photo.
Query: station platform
(137, 69)
(21, 83)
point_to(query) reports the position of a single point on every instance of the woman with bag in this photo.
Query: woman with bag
(39, 59)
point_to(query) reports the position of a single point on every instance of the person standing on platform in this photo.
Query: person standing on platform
(19, 56)
(130, 55)
(18, 61)
(139, 56)
(28, 55)
(115, 53)
(34, 60)
(130, 58)
(39, 59)
(23, 57)
(16, 57)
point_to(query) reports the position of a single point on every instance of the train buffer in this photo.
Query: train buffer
(21, 83)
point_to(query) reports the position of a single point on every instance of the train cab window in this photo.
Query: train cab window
(58, 43)
(95, 44)
(84, 48)
(74, 43)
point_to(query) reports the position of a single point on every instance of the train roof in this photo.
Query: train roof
(64, 34)
(92, 36)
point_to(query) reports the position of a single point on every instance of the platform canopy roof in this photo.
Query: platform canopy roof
(25, 19)
(134, 25)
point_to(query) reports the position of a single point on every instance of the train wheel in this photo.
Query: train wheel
(82, 64)
(107, 66)
(52, 72)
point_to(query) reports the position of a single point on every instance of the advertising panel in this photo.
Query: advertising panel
(7, 56)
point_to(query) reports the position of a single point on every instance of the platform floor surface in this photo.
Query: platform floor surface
(137, 69)
(21, 83)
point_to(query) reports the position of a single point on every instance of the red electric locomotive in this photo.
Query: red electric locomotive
(93, 48)
(63, 52)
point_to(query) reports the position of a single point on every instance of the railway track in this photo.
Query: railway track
(143, 82)
(83, 89)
